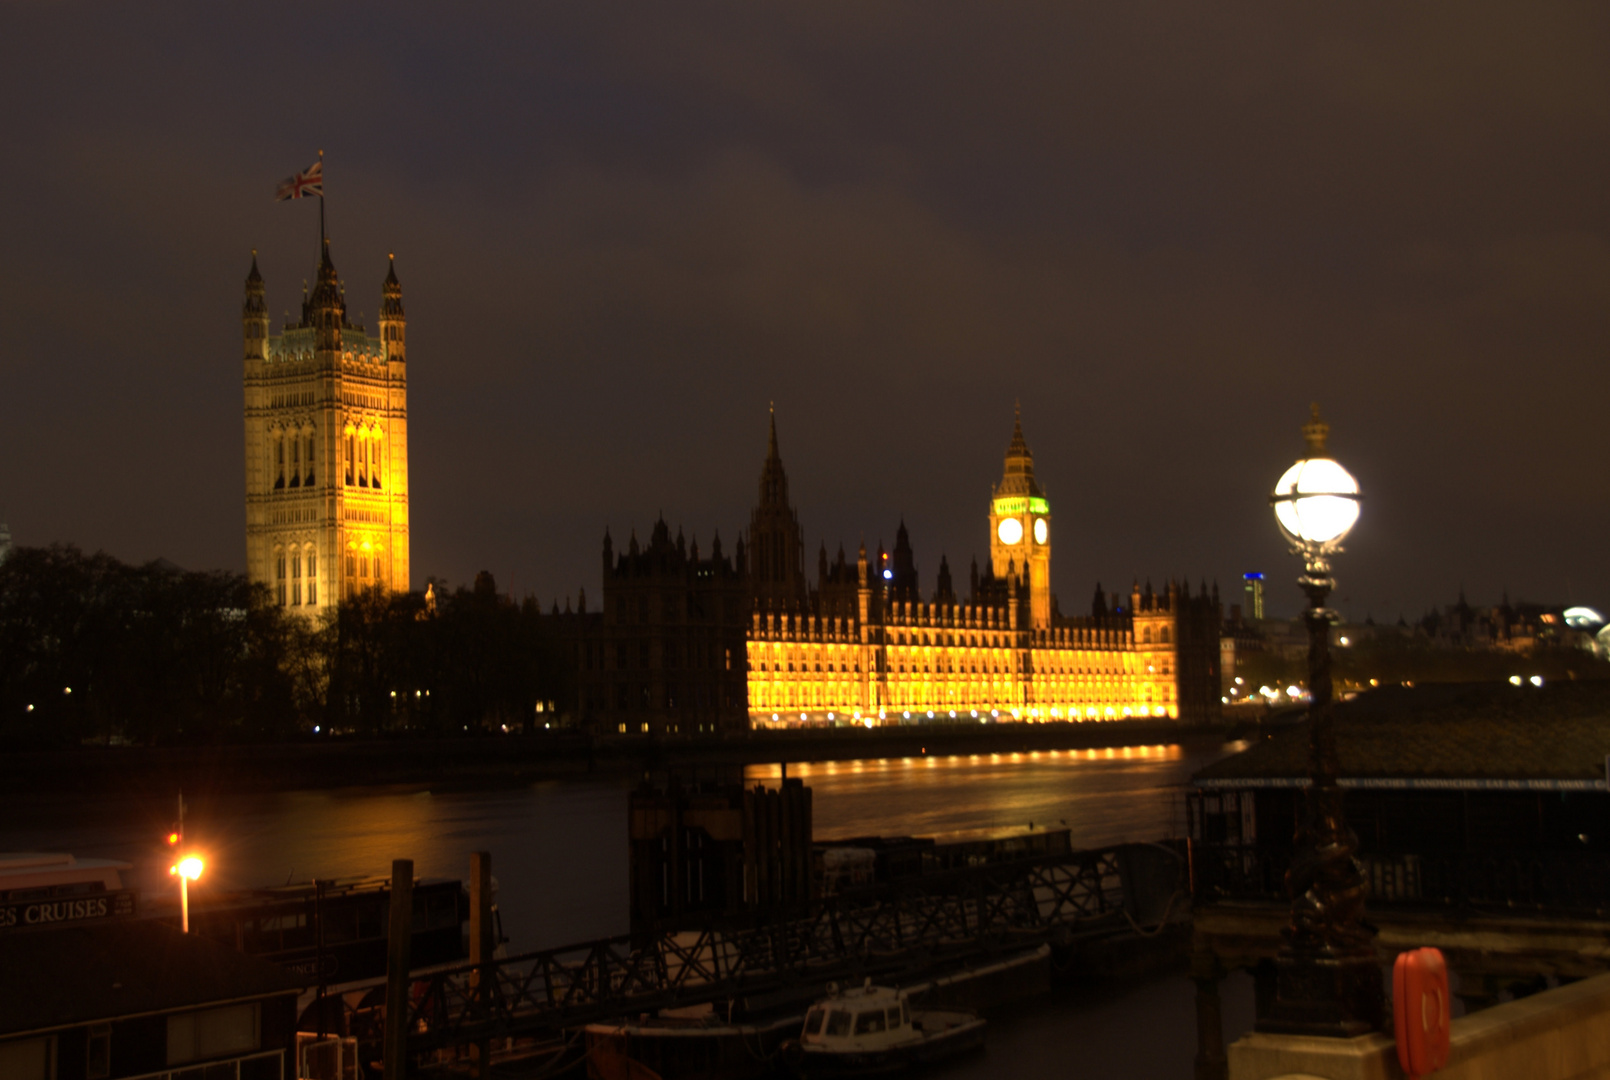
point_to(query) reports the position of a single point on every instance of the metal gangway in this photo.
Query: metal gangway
(924, 921)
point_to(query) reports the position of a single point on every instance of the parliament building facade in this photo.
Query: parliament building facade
(326, 419)
(867, 646)
(693, 644)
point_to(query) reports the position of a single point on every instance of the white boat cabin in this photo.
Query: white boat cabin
(868, 1018)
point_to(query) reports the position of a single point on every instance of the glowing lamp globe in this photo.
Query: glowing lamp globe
(1316, 500)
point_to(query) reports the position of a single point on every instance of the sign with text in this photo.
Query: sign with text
(19, 914)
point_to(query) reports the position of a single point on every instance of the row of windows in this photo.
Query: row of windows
(289, 588)
(364, 463)
(905, 637)
(291, 461)
(363, 567)
(924, 658)
(296, 575)
(846, 697)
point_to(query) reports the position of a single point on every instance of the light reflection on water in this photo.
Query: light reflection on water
(1102, 796)
(559, 847)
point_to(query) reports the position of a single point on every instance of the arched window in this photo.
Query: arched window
(279, 578)
(308, 461)
(312, 576)
(1146, 635)
(296, 461)
(296, 580)
(351, 459)
(374, 462)
(1164, 636)
(279, 462)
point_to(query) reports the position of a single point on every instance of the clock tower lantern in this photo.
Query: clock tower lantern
(1020, 527)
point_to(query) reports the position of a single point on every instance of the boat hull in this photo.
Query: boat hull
(960, 1034)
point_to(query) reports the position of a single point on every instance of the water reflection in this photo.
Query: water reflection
(1102, 796)
(559, 848)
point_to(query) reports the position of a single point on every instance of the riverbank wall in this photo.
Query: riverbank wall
(516, 760)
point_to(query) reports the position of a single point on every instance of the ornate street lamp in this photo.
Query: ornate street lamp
(1328, 979)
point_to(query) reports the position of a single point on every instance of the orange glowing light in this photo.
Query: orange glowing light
(189, 867)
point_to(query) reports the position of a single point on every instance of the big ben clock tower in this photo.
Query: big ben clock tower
(1020, 526)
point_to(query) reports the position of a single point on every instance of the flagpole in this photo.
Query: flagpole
(321, 206)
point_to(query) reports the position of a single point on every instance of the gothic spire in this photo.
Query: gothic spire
(1018, 447)
(775, 542)
(255, 303)
(773, 480)
(391, 306)
(1017, 474)
(326, 307)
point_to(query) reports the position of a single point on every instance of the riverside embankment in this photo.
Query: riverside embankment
(515, 759)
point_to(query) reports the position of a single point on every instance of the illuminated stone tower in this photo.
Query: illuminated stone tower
(326, 445)
(1020, 527)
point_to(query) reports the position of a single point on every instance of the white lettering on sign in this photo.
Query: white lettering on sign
(75, 909)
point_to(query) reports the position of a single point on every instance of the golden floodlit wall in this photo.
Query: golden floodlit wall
(932, 661)
(865, 647)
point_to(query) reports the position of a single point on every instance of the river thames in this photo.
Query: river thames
(559, 855)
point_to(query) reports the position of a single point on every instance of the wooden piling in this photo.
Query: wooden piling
(482, 947)
(399, 942)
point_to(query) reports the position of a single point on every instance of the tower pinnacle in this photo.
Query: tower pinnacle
(1316, 431)
(776, 543)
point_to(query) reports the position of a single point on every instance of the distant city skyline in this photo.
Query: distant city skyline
(1165, 231)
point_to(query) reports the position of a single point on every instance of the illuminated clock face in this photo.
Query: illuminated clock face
(1010, 530)
(1041, 530)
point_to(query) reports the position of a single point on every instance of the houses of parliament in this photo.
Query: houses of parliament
(867, 644)
(688, 641)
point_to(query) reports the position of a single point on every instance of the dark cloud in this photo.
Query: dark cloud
(623, 229)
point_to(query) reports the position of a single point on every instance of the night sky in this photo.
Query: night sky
(622, 230)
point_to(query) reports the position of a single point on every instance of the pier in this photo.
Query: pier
(1085, 905)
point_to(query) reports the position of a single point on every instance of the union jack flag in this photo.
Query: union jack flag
(310, 181)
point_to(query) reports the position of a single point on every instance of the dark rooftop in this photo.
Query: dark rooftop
(1447, 735)
(86, 972)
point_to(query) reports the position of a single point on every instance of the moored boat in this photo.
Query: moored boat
(874, 1030)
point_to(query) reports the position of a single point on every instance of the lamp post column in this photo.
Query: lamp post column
(1328, 978)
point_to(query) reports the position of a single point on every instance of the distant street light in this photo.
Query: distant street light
(187, 867)
(1328, 978)
(187, 870)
